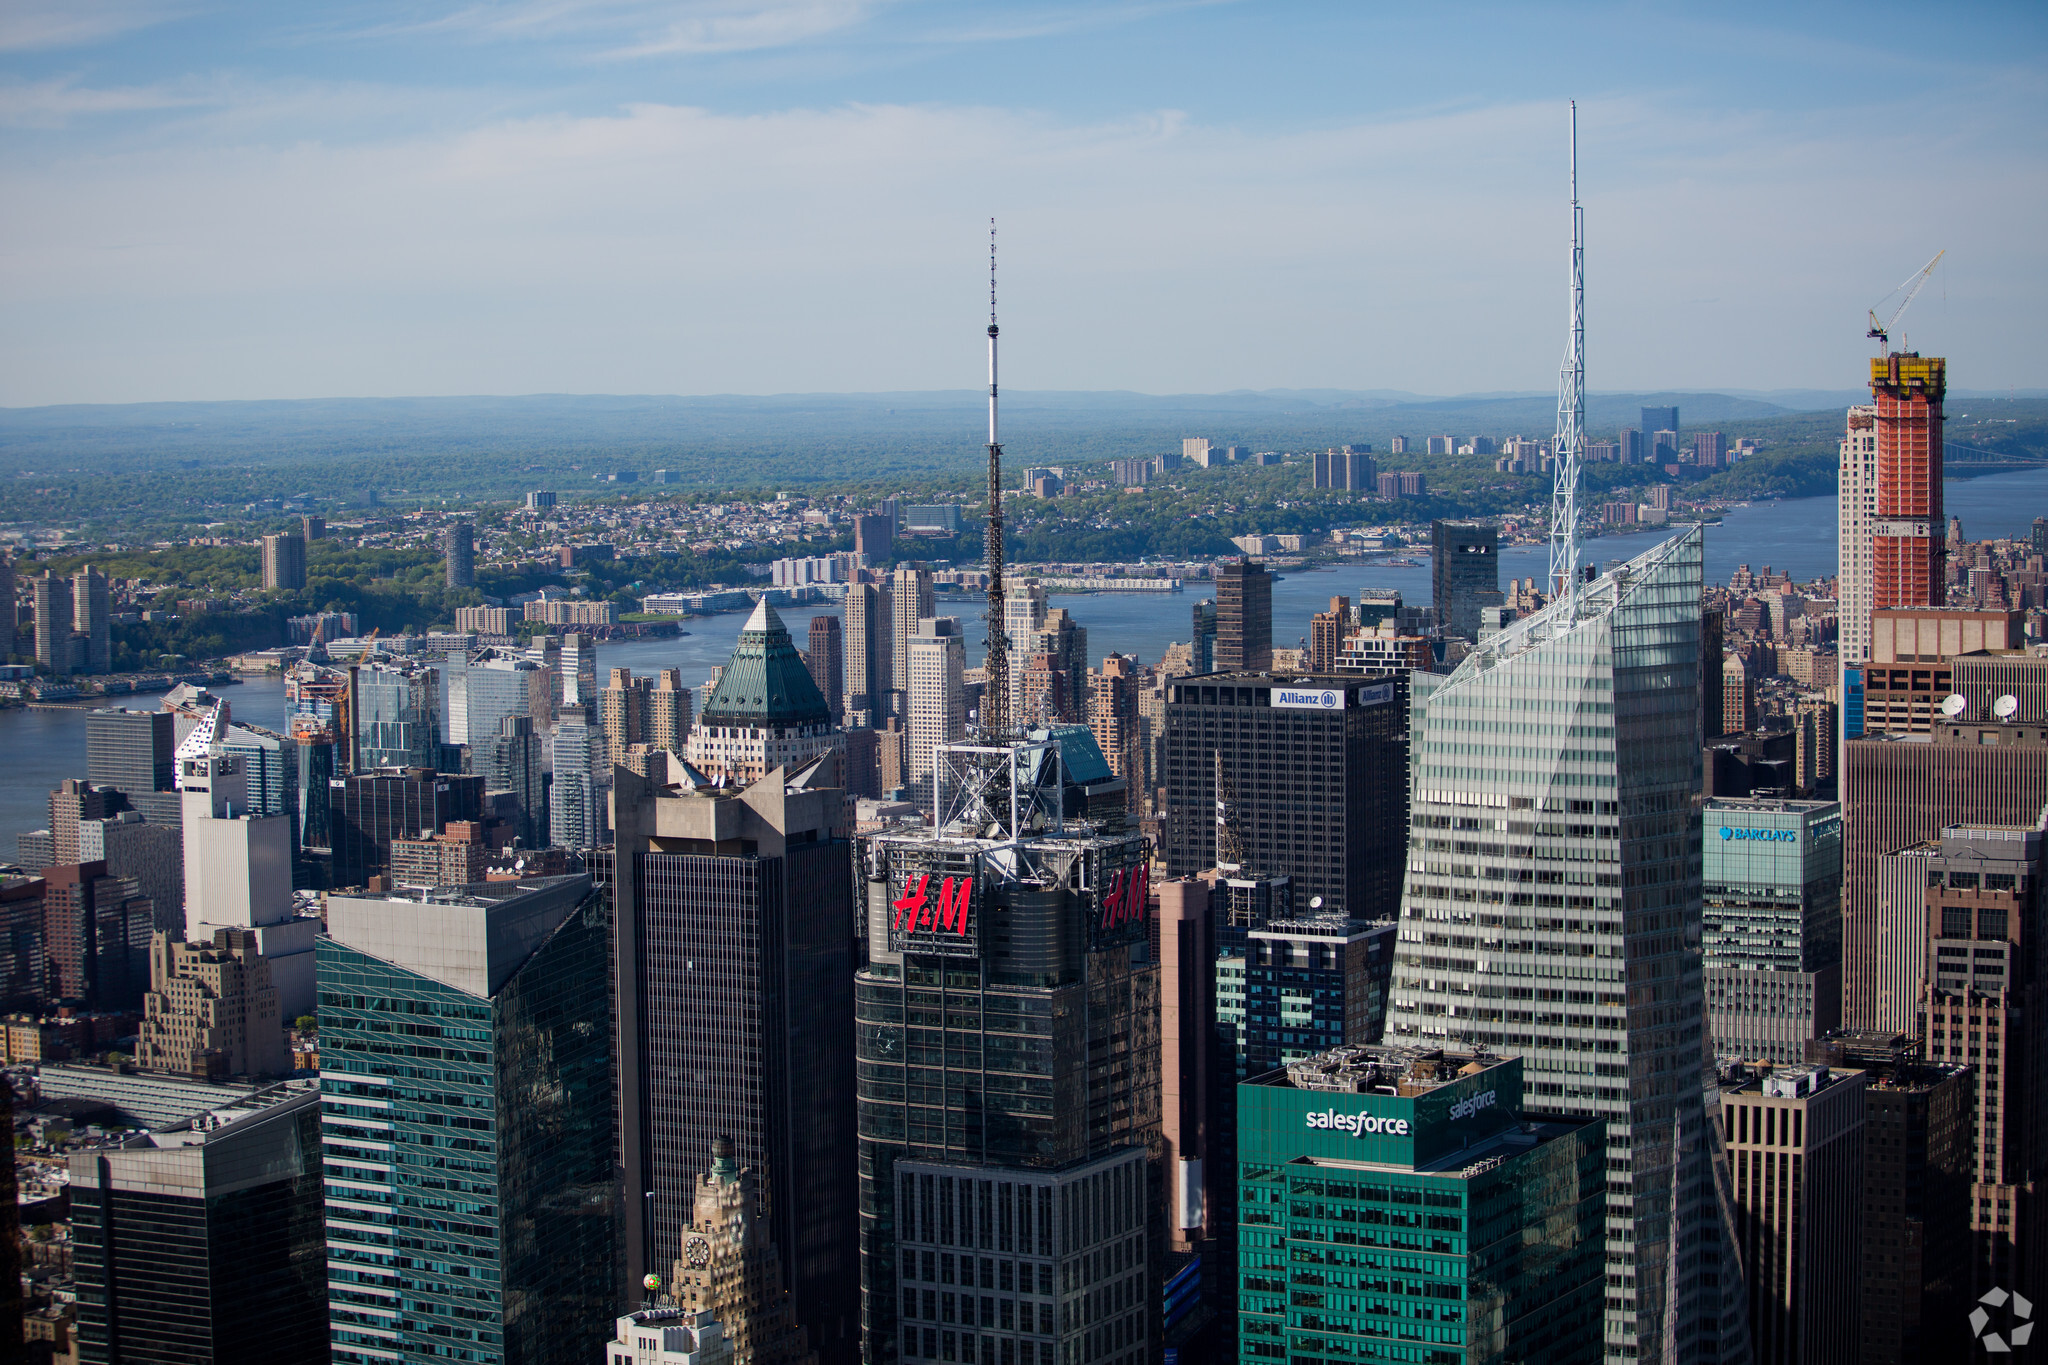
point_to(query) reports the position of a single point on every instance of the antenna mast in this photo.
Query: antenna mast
(995, 693)
(1569, 445)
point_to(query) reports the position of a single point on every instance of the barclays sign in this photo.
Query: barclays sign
(1761, 836)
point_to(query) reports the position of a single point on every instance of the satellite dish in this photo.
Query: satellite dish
(2006, 707)
(1315, 902)
(1953, 704)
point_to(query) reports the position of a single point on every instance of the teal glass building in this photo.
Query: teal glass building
(466, 1102)
(1396, 1204)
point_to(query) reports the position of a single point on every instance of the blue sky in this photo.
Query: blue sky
(514, 196)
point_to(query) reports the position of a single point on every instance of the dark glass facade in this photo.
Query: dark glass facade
(227, 1272)
(471, 1206)
(1464, 574)
(1318, 795)
(747, 992)
(131, 750)
(372, 809)
(1309, 988)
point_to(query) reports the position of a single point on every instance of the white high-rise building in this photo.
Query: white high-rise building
(238, 866)
(1857, 496)
(1552, 911)
(938, 689)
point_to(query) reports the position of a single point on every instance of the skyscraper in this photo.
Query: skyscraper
(1856, 510)
(869, 650)
(668, 712)
(91, 616)
(1314, 772)
(396, 713)
(465, 1069)
(1771, 926)
(1244, 617)
(734, 972)
(458, 545)
(1326, 632)
(765, 712)
(514, 760)
(1008, 1077)
(1464, 574)
(827, 662)
(370, 809)
(1202, 645)
(95, 934)
(1982, 992)
(910, 592)
(1908, 552)
(131, 750)
(937, 658)
(8, 617)
(730, 1270)
(238, 866)
(1898, 791)
(1581, 844)
(1795, 1159)
(1659, 419)
(53, 624)
(284, 562)
(574, 818)
(202, 1240)
(1431, 1168)
(625, 714)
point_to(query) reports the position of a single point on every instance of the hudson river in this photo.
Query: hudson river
(1797, 537)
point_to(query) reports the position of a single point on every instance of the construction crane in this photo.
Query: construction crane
(1882, 331)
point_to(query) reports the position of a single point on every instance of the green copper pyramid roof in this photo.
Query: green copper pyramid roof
(765, 682)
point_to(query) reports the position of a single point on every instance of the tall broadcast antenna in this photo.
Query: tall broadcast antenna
(995, 693)
(1569, 445)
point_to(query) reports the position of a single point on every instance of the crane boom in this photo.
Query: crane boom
(1882, 331)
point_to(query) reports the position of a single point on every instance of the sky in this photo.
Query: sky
(229, 201)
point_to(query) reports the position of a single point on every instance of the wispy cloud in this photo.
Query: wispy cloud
(59, 102)
(37, 25)
(621, 28)
(721, 26)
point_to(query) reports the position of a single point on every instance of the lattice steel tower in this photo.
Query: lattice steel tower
(995, 693)
(1569, 444)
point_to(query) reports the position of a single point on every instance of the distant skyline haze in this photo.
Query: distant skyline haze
(232, 200)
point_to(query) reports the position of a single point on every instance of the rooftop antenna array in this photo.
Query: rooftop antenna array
(1569, 444)
(995, 693)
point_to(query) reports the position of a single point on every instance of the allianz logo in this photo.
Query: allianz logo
(1322, 698)
(1762, 836)
(1472, 1104)
(1358, 1125)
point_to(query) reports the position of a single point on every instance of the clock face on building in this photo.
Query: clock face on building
(699, 1252)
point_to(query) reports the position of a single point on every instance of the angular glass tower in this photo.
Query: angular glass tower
(1552, 911)
(466, 1105)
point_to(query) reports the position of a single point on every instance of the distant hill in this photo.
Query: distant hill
(169, 465)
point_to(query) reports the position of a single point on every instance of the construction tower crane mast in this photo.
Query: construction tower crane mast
(1882, 331)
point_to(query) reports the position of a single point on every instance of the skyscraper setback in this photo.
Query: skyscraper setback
(1907, 546)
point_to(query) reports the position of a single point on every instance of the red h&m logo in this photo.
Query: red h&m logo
(917, 911)
(1125, 901)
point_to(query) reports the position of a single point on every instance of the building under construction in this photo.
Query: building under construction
(1907, 547)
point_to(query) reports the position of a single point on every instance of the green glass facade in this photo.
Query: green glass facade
(1460, 1233)
(471, 1211)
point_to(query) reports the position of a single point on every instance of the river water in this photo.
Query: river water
(1796, 537)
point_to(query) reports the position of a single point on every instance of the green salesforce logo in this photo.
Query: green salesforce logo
(1358, 1125)
(1762, 836)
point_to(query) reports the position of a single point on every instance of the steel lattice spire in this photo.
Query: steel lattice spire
(995, 693)
(1569, 445)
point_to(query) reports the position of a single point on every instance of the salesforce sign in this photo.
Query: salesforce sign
(1760, 836)
(1358, 1125)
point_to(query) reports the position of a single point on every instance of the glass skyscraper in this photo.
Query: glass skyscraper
(1771, 926)
(1552, 910)
(466, 1105)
